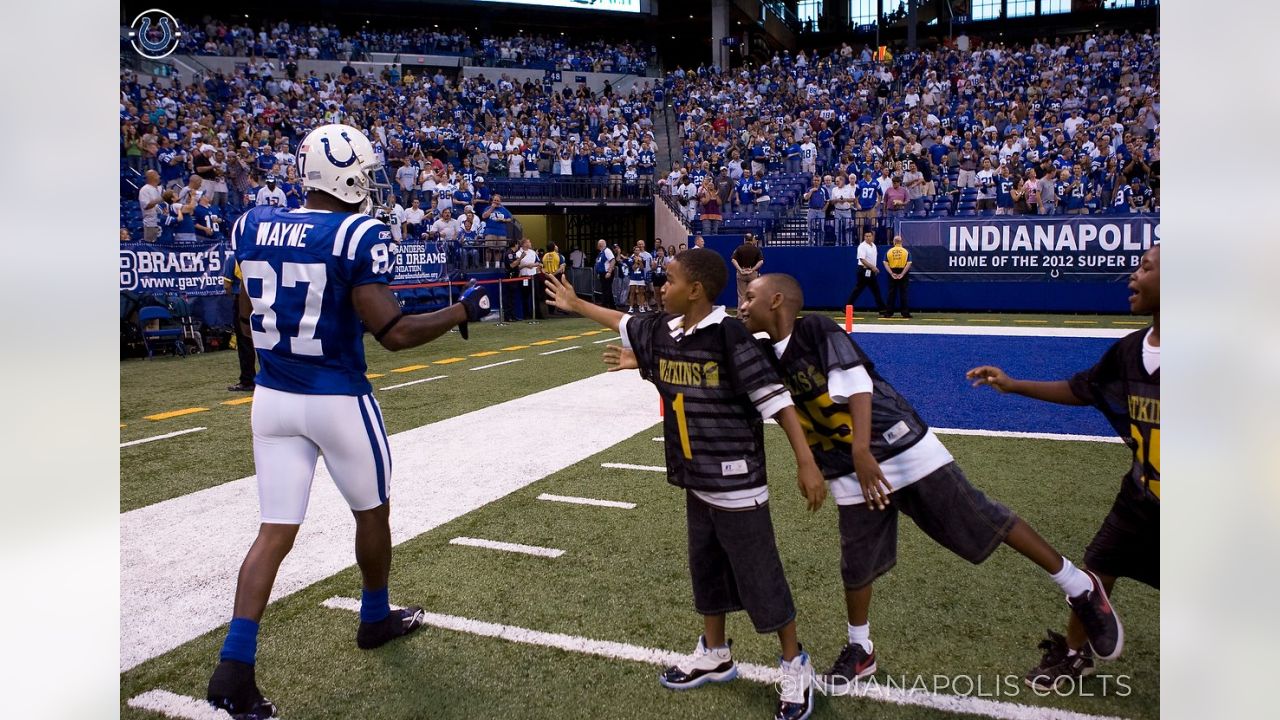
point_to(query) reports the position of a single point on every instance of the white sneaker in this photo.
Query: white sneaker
(704, 666)
(795, 688)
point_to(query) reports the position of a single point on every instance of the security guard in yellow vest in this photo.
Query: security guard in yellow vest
(898, 262)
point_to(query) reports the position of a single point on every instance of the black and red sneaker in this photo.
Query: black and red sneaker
(852, 664)
(1059, 665)
(1101, 623)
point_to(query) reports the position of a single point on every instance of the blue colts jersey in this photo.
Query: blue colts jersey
(299, 268)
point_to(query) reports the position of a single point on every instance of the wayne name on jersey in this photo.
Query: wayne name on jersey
(299, 268)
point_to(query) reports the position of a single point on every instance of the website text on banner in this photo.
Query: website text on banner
(1073, 249)
(197, 269)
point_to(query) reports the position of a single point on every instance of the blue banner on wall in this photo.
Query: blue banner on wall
(194, 269)
(420, 262)
(1061, 248)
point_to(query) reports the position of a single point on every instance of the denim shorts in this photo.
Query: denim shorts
(943, 504)
(734, 564)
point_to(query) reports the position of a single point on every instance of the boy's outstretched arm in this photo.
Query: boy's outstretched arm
(808, 476)
(1055, 391)
(562, 295)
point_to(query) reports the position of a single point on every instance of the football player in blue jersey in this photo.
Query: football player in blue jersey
(313, 279)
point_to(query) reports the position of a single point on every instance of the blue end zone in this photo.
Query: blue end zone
(929, 372)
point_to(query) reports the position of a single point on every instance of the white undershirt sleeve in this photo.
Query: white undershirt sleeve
(770, 399)
(844, 384)
(622, 329)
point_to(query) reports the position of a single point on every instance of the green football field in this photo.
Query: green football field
(578, 627)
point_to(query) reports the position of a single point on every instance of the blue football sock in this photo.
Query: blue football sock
(374, 605)
(242, 641)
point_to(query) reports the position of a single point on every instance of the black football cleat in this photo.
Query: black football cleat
(240, 387)
(854, 663)
(232, 688)
(398, 623)
(1058, 665)
(1101, 623)
(703, 666)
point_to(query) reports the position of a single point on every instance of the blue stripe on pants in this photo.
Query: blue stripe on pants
(381, 428)
(377, 451)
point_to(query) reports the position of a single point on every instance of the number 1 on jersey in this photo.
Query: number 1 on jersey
(682, 425)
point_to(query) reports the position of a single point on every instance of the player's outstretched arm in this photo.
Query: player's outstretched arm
(1055, 391)
(378, 309)
(561, 294)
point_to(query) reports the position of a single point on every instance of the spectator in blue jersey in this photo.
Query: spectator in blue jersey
(462, 197)
(868, 194)
(482, 193)
(815, 200)
(759, 188)
(496, 219)
(183, 218)
(1006, 187)
(292, 188)
(208, 225)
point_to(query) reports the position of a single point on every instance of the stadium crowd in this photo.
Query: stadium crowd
(227, 142)
(1068, 125)
(316, 41)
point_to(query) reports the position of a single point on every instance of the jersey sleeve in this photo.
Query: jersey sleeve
(638, 332)
(752, 371)
(836, 350)
(1103, 386)
(369, 254)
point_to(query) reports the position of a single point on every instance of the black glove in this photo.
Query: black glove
(476, 302)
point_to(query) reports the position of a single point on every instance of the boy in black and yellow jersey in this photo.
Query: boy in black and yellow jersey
(879, 457)
(1125, 386)
(898, 262)
(717, 385)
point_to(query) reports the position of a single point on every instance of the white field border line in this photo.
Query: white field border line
(629, 466)
(414, 382)
(553, 352)
(1030, 435)
(608, 339)
(165, 436)
(588, 501)
(995, 330)
(494, 365)
(173, 705)
(507, 547)
(1066, 437)
(756, 673)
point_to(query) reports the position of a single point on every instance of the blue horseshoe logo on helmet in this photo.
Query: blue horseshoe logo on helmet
(340, 163)
(155, 46)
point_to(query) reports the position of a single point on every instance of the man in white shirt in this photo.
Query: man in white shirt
(528, 267)
(843, 198)
(868, 272)
(446, 228)
(809, 157)
(149, 196)
(413, 218)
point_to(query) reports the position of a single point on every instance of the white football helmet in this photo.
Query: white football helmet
(339, 160)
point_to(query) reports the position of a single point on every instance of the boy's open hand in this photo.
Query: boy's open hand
(561, 294)
(812, 485)
(875, 488)
(617, 358)
(990, 375)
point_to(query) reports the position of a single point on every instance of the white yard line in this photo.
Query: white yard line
(1030, 435)
(161, 437)
(507, 547)
(178, 558)
(553, 352)
(587, 501)
(756, 673)
(608, 339)
(176, 706)
(1067, 332)
(414, 382)
(629, 466)
(494, 365)
(658, 439)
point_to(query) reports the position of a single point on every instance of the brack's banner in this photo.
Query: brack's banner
(997, 249)
(192, 269)
(196, 269)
